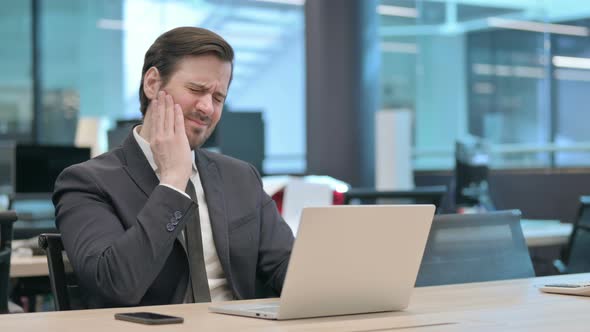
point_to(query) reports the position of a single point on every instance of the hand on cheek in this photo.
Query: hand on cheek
(164, 123)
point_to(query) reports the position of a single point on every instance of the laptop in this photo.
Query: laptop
(348, 259)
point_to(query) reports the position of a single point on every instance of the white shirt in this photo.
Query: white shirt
(217, 283)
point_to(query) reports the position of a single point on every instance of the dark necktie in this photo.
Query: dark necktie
(194, 242)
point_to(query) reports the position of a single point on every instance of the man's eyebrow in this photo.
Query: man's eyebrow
(197, 85)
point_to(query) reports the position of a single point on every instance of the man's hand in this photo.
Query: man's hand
(164, 123)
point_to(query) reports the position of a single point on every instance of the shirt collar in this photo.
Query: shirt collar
(147, 151)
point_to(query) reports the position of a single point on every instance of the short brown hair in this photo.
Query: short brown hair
(176, 44)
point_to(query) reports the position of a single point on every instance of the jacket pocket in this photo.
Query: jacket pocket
(233, 225)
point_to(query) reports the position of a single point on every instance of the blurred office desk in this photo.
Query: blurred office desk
(509, 305)
(35, 266)
(545, 233)
(538, 233)
(30, 229)
(420, 195)
(35, 216)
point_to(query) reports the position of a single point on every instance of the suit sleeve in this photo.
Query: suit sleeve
(276, 242)
(119, 264)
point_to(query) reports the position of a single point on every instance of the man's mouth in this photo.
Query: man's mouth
(198, 122)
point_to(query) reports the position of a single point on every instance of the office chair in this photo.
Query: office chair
(419, 195)
(7, 218)
(576, 258)
(464, 248)
(64, 286)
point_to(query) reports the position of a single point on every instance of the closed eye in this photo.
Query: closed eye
(198, 89)
(193, 90)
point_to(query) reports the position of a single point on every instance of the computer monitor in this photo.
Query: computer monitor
(418, 195)
(240, 135)
(117, 135)
(36, 167)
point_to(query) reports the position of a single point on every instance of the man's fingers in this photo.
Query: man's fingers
(169, 116)
(178, 120)
(151, 117)
(159, 116)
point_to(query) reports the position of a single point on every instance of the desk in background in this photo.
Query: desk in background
(540, 233)
(29, 229)
(35, 266)
(419, 195)
(537, 233)
(35, 216)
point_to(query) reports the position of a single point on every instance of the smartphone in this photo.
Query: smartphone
(149, 318)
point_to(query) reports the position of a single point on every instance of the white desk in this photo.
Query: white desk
(510, 305)
(539, 233)
(28, 266)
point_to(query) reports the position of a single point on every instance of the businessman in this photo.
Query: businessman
(159, 220)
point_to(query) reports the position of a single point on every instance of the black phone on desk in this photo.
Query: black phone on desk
(149, 318)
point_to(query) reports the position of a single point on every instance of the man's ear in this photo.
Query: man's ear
(152, 83)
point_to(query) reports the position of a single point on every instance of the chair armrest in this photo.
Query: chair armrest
(559, 266)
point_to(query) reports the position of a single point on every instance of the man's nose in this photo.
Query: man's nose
(205, 104)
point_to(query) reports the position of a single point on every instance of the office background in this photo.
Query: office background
(512, 72)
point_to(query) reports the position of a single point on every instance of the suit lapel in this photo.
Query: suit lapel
(138, 167)
(212, 186)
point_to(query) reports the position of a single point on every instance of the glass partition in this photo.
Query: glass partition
(91, 53)
(16, 80)
(512, 72)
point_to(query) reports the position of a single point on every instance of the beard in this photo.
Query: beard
(199, 136)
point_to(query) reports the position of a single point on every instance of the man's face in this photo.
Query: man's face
(199, 85)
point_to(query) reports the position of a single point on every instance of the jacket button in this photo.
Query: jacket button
(177, 214)
(170, 227)
(174, 221)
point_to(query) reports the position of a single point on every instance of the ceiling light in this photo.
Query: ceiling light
(110, 24)
(396, 47)
(285, 2)
(571, 62)
(397, 11)
(560, 29)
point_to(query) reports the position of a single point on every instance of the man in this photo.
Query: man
(158, 220)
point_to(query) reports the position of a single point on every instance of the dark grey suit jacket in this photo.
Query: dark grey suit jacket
(113, 218)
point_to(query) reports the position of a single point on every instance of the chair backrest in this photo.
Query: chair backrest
(576, 254)
(7, 218)
(465, 248)
(419, 195)
(64, 285)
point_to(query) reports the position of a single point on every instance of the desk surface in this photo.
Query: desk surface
(508, 305)
(28, 266)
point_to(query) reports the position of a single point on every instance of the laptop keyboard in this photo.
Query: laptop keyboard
(570, 285)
